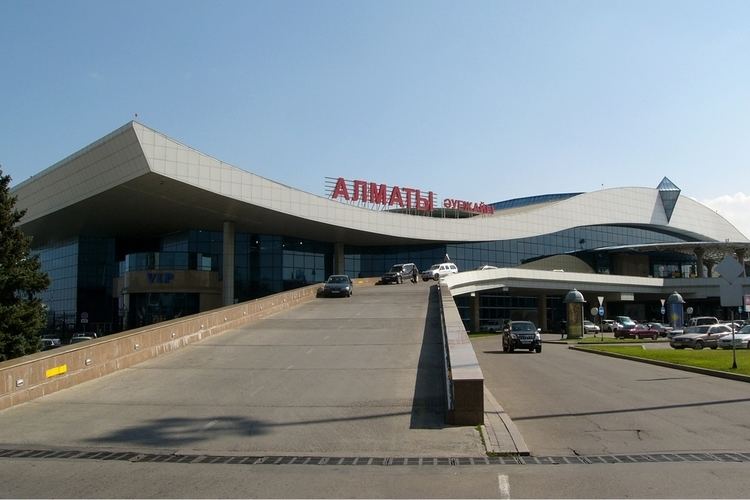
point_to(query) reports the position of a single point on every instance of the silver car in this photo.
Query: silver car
(699, 337)
(590, 327)
(741, 339)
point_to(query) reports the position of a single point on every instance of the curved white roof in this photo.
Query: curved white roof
(139, 180)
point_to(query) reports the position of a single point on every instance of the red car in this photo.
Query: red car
(638, 332)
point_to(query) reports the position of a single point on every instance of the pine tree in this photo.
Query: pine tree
(22, 315)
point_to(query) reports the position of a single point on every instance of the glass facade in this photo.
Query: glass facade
(264, 264)
(149, 308)
(60, 262)
(82, 270)
(175, 261)
(496, 306)
(364, 262)
(374, 261)
(511, 253)
(672, 265)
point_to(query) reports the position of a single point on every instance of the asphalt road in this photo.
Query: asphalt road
(358, 376)
(566, 403)
(102, 479)
(361, 377)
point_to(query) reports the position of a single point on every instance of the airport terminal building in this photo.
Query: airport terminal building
(138, 228)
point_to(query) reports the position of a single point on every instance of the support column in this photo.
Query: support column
(699, 262)
(338, 259)
(541, 312)
(125, 310)
(227, 292)
(475, 311)
(740, 252)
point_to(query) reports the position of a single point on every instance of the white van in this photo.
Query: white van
(438, 270)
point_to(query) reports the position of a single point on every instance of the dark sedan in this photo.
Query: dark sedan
(661, 328)
(521, 335)
(639, 331)
(338, 285)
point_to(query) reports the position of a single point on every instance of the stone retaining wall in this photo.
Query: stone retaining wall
(464, 378)
(29, 377)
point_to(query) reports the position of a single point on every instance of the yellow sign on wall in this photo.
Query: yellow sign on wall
(58, 370)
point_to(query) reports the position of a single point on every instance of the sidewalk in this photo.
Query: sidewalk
(500, 435)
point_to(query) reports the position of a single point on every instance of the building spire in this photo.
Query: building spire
(668, 193)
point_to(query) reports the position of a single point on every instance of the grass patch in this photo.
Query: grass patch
(719, 359)
(612, 340)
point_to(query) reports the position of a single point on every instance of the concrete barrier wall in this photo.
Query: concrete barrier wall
(29, 377)
(464, 378)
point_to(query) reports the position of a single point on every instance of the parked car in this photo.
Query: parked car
(399, 273)
(492, 326)
(675, 332)
(590, 327)
(486, 267)
(338, 285)
(661, 328)
(741, 339)
(438, 270)
(80, 338)
(50, 343)
(695, 321)
(702, 320)
(609, 325)
(623, 323)
(737, 324)
(701, 336)
(639, 331)
(521, 334)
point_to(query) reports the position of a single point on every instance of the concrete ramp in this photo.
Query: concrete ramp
(359, 376)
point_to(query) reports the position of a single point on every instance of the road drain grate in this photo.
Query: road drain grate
(377, 461)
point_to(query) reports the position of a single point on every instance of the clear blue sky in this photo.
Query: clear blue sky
(476, 100)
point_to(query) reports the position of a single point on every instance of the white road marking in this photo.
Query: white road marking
(290, 367)
(504, 485)
(209, 425)
(309, 350)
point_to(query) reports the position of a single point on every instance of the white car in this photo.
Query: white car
(438, 270)
(741, 339)
(492, 326)
(590, 327)
(609, 325)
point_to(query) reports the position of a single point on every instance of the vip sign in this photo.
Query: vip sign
(160, 278)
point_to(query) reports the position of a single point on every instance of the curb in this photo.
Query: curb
(500, 434)
(666, 364)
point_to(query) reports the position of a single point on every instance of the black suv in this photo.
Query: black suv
(522, 335)
(399, 273)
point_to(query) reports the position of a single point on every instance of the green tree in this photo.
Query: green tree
(22, 314)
